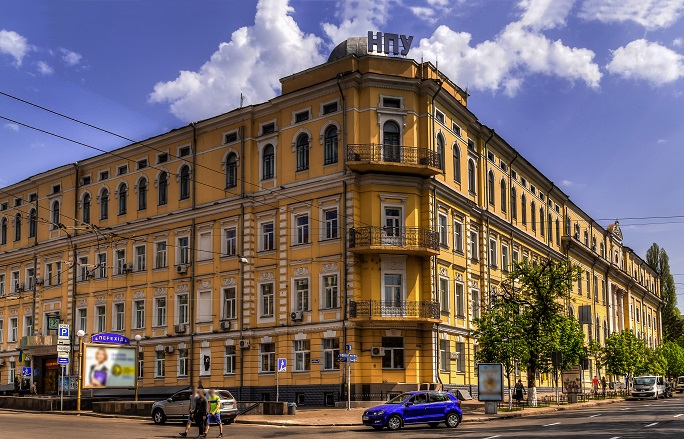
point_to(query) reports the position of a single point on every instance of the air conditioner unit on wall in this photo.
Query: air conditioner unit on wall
(179, 329)
(296, 316)
(181, 269)
(244, 344)
(168, 349)
(377, 351)
(127, 267)
(225, 325)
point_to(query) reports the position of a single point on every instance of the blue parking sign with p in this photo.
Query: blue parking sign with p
(64, 331)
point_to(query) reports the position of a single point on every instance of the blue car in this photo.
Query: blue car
(431, 408)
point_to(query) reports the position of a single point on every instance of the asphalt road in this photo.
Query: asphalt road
(629, 419)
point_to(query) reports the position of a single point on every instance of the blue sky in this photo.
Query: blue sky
(590, 91)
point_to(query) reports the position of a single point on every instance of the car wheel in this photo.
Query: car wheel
(377, 427)
(452, 420)
(433, 424)
(394, 423)
(158, 416)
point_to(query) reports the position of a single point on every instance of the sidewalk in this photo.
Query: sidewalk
(473, 411)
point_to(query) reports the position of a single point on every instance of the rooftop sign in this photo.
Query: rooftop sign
(110, 338)
(379, 42)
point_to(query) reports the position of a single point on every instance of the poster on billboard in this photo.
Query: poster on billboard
(571, 380)
(490, 382)
(108, 366)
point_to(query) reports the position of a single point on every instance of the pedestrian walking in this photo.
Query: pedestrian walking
(214, 412)
(191, 411)
(595, 384)
(519, 391)
(604, 384)
(201, 412)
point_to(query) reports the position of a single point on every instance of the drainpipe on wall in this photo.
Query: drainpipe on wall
(241, 296)
(434, 219)
(344, 125)
(191, 257)
(549, 239)
(74, 268)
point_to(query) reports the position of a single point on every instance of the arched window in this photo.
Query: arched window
(85, 212)
(185, 183)
(55, 220)
(104, 204)
(268, 162)
(504, 195)
(231, 170)
(605, 330)
(17, 227)
(142, 194)
(598, 329)
(330, 146)
(457, 164)
(391, 151)
(302, 152)
(471, 176)
(541, 221)
(549, 224)
(33, 223)
(490, 187)
(163, 187)
(514, 203)
(586, 238)
(3, 231)
(557, 232)
(440, 151)
(571, 311)
(523, 209)
(577, 231)
(567, 225)
(533, 216)
(123, 198)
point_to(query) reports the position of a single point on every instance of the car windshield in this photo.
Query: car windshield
(680, 380)
(399, 399)
(644, 381)
(224, 394)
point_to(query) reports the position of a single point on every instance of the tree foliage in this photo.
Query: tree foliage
(623, 353)
(673, 354)
(673, 323)
(499, 336)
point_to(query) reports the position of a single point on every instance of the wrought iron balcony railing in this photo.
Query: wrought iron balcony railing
(409, 238)
(394, 309)
(403, 155)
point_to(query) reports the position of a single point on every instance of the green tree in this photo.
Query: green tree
(623, 353)
(540, 292)
(654, 363)
(673, 323)
(596, 350)
(674, 358)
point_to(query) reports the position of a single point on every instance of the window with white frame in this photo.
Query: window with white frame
(28, 326)
(119, 317)
(30, 278)
(229, 362)
(504, 257)
(459, 299)
(140, 258)
(394, 352)
(82, 319)
(101, 265)
(49, 274)
(330, 218)
(267, 300)
(2, 331)
(458, 235)
(302, 229)
(204, 313)
(492, 253)
(120, 261)
(100, 318)
(302, 355)
(13, 330)
(460, 357)
(83, 270)
(475, 303)
(15, 282)
(474, 251)
(302, 294)
(2, 285)
(230, 237)
(267, 236)
(330, 291)
(266, 357)
(516, 254)
(331, 352)
(182, 308)
(58, 273)
(183, 248)
(160, 254)
(11, 371)
(443, 230)
(444, 355)
(141, 364)
(182, 362)
(204, 246)
(159, 364)
(160, 311)
(139, 316)
(444, 294)
(229, 303)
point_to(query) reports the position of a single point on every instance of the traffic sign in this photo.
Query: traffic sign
(63, 354)
(352, 358)
(63, 348)
(63, 331)
(63, 361)
(282, 364)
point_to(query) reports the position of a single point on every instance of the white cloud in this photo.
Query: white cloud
(646, 60)
(12, 126)
(518, 50)
(438, 3)
(44, 68)
(69, 57)
(357, 17)
(570, 183)
(662, 141)
(424, 13)
(677, 42)
(651, 14)
(13, 44)
(252, 63)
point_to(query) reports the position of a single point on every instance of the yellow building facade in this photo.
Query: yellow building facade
(365, 206)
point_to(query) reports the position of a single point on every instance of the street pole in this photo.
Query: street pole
(277, 385)
(61, 391)
(349, 384)
(138, 337)
(80, 371)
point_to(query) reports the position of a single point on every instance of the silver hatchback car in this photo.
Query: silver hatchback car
(176, 407)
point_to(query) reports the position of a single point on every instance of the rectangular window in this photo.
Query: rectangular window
(458, 236)
(267, 300)
(11, 372)
(444, 294)
(204, 313)
(83, 320)
(204, 246)
(588, 284)
(101, 265)
(267, 357)
(160, 311)
(159, 364)
(268, 128)
(49, 273)
(183, 250)
(443, 230)
(142, 164)
(140, 258)
(504, 257)
(444, 355)
(394, 353)
(58, 273)
(104, 175)
(439, 116)
(183, 309)
(230, 137)
(160, 255)
(302, 229)
(330, 292)
(391, 102)
(162, 158)
(15, 282)
(331, 352)
(460, 357)
(139, 307)
(302, 116)
(2, 285)
(596, 290)
(182, 362)
(120, 261)
(516, 255)
(229, 303)
(474, 252)
(459, 299)
(100, 318)
(579, 285)
(456, 129)
(184, 151)
(301, 294)
(330, 108)
(475, 301)
(267, 237)
(141, 364)
(331, 223)
(229, 361)
(28, 326)
(302, 355)
(2, 331)
(492, 253)
(231, 241)
(119, 317)
(30, 278)
(13, 330)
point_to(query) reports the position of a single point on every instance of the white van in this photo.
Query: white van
(649, 387)
(679, 385)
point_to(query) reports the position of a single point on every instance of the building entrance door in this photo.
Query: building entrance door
(50, 375)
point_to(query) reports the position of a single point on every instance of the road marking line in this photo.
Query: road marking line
(651, 425)
(615, 437)
(593, 416)
(681, 414)
(622, 410)
(549, 425)
(492, 437)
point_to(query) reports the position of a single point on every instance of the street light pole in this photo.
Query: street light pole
(80, 335)
(138, 337)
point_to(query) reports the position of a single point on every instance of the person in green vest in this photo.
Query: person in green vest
(214, 412)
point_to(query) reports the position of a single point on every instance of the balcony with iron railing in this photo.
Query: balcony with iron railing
(376, 157)
(400, 240)
(394, 310)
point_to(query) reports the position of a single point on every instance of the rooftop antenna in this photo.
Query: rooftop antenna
(242, 99)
